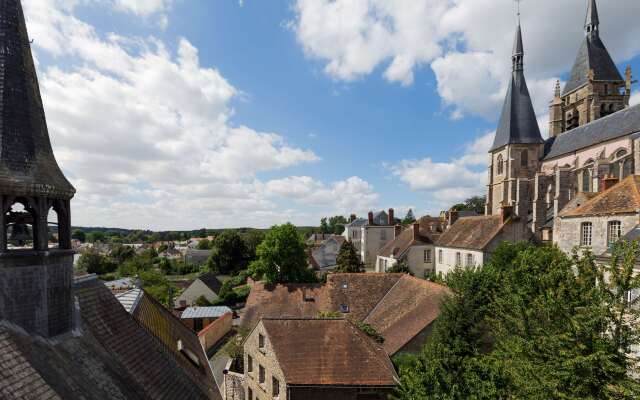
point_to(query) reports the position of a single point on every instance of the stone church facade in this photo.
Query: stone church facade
(594, 136)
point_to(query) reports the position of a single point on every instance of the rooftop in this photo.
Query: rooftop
(406, 239)
(623, 198)
(471, 232)
(204, 312)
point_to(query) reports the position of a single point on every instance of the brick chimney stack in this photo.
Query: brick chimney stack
(370, 217)
(505, 213)
(392, 219)
(398, 231)
(416, 231)
(453, 216)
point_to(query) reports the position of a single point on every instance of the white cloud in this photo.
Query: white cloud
(447, 183)
(143, 132)
(467, 43)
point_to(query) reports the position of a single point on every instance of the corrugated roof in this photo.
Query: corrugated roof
(130, 299)
(622, 123)
(204, 312)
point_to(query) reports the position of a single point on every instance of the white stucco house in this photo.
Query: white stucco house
(206, 285)
(371, 234)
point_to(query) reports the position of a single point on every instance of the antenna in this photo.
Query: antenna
(518, 9)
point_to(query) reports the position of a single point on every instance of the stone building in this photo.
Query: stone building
(309, 359)
(594, 134)
(371, 234)
(60, 337)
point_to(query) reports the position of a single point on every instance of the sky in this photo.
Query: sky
(183, 114)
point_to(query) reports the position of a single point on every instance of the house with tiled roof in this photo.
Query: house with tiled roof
(370, 235)
(469, 241)
(324, 256)
(400, 307)
(602, 220)
(206, 285)
(413, 246)
(310, 358)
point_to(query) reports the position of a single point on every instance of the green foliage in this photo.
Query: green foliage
(334, 225)
(95, 237)
(95, 263)
(156, 285)
(409, 218)
(252, 240)
(370, 331)
(324, 226)
(229, 296)
(204, 244)
(234, 348)
(79, 234)
(120, 253)
(347, 260)
(282, 257)
(202, 302)
(531, 324)
(162, 248)
(330, 314)
(229, 254)
(475, 203)
(400, 267)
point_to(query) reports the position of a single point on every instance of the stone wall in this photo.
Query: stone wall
(266, 358)
(215, 331)
(567, 231)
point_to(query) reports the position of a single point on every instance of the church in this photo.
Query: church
(594, 137)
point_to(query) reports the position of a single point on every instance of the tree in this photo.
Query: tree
(203, 244)
(475, 203)
(96, 236)
(532, 324)
(120, 253)
(95, 263)
(400, 267)
(79, 234)
(202, 302)
(336, 224)
(409, 218)
(229, 254)
(252, 240)
(324, 226)
(348, 260)
(282, 257)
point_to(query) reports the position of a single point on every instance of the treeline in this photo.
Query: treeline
(533, 323)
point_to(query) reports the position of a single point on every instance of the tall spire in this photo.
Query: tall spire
(518, 51)
(518, 123)
(592, 23)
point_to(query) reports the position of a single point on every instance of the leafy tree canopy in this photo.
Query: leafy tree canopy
(348, 260)
(475, 203)
(229, 254)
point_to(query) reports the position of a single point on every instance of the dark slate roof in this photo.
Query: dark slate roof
(622, 123)
(518, 123)
(109, 356)
(328, 352)
(212, 282)
(593, 55)
(27, 164)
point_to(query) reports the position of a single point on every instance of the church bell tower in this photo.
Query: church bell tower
(35, 277)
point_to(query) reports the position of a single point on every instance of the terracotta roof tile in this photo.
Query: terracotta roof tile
(620, 199)
(328, 352)
(471, 232)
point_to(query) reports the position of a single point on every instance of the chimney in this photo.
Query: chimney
(416, 231)
(453, 217)
(392, 219)
(609, 182)
(370, 217)
(398, 231)
(505, 213)
(352, 218)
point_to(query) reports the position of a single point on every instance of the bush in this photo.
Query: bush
(95, 263)
(370, 331)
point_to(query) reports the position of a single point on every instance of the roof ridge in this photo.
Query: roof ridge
(378, 349)
(382, 299)
(600, 195)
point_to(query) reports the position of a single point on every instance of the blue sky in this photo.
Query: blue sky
(180, 114)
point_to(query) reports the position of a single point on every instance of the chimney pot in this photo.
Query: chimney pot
(392, 219)
(453, 216)
(370, 217)
(398, 231)
(416, 231)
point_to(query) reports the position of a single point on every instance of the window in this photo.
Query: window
(470, 260)
(627, 167)
(586, 234)
(615, 231)
(586, 181)
(261, 374)
(440, 256)
(345, 285)
(197, 324)
(500, 165)
(458, 259)
(621, 153)
(261, 342)
(524, 158)
(427, 256)
(615, 170)
(249, 364)
(275, 387)
(344, 308)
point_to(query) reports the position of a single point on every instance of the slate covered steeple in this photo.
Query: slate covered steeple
(27, 164)
(592, 56)
(518, 123)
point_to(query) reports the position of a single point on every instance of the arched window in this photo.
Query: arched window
(586, 180)
(524, 158)
(621, 153)
(627, 168)
(500, 165)
(615, 169)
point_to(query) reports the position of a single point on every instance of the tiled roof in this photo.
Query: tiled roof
(211, 281)
(205, 312)
(471, 232)
(367, 296)
(130, 299)
(622, 123)
(405, 240)
(178, 340)
(110, 356)
(411, 305)
(328, 352)
(623, 198)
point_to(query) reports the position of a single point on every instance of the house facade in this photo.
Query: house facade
(469, 241)
(594, 135)
(285, 358)
(370, 235)
(414, 246)
(325, 255)
(207, 286)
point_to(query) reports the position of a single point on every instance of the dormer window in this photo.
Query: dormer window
(344, 308)
(345, 285)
